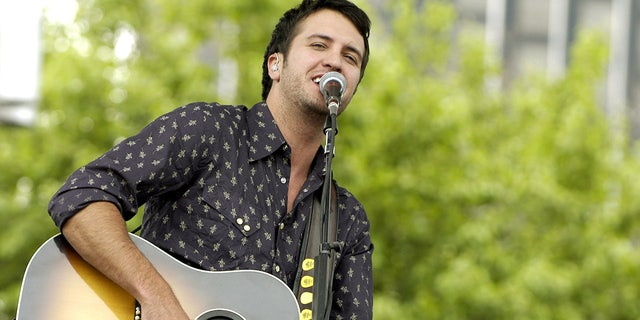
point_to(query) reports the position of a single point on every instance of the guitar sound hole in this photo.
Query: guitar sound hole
(220, 314)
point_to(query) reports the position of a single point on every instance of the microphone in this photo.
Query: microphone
(332, 86)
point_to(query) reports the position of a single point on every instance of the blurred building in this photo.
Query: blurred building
(538, 35)
(20, 61)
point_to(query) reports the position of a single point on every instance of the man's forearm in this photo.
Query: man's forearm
(98, 233)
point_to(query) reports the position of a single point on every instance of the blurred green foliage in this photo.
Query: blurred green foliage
(485, 204)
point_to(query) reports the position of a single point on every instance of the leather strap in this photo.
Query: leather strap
(310, 250)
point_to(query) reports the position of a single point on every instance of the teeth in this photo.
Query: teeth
(316, 80)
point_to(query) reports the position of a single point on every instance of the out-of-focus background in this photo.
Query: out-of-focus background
(492, 142)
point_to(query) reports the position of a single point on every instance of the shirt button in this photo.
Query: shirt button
(281, 226)
(239, 221)
(283, 180)
(247, 228)
(276, 268)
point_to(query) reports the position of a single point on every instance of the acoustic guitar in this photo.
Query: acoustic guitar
(59, 285)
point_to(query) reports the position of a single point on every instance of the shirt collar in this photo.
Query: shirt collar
(264, 136)
(265, 139)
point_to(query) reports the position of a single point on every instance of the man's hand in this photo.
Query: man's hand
(163, 311)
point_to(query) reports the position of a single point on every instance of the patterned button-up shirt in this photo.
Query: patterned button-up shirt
(214, 181)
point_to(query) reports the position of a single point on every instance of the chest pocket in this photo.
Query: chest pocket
(232, 212)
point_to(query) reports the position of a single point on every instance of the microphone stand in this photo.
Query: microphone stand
(323, 270)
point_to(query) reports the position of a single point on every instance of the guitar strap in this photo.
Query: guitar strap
(310, 250)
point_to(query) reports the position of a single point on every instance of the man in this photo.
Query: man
(226, 187)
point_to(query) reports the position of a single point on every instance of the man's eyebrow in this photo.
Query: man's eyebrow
(330, 39)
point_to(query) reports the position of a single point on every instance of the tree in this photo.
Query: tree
(491, 205)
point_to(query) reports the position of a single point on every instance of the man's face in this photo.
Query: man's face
(326, 41)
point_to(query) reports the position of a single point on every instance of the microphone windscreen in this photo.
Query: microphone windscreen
(332, 85)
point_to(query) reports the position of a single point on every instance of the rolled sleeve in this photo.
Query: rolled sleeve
(161, 158)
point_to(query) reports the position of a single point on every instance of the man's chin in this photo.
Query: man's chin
(317, 108)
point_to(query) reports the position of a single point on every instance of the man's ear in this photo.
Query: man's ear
(274, 65)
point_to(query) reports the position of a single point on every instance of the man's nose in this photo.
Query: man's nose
(333, 60)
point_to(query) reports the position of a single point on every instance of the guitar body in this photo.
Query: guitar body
(58, 284)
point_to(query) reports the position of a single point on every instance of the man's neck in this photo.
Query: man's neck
(302, 131)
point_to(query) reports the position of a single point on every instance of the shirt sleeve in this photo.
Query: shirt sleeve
(353, 280)
(162, 157)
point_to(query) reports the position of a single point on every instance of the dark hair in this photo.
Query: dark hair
(284, 31)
